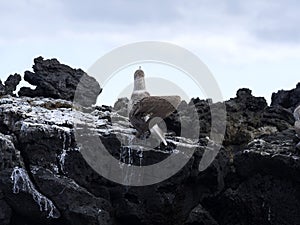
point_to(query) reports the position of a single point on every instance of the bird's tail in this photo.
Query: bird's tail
(160, 134)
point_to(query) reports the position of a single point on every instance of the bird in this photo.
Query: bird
(297, 120)
(297, 124)
(146, 111)
(297, 113)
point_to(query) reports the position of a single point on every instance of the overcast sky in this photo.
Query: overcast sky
(253, 44)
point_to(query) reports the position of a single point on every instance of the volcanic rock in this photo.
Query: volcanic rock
(54, 166)
(49, 157)
(199, 216)
(254, 194)
(287, 99)
(59, 81)
(121, 106)
(10, 85)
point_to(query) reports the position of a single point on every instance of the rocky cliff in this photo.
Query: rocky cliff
(46, 179)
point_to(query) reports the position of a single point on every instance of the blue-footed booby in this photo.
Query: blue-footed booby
(297, 120)
(145, 111)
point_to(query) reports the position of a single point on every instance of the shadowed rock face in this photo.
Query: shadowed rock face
(10, 85)
(56, 80)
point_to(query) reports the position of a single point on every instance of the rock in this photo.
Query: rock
(10, 84)
(287, 99)
(43, 141)
(243, 117)
(265, 168)
(5, 213)
(17, 189)
(59, 81)
(272, 154)
(171, 201)
(248, 117)
(9, 155)
(77, 204)
(278, 117)
(258, 200)
(2, 89)
(199, 216)
(182, 120)
(33, 188)
(121, 106)
(204, 113)
(44, 133)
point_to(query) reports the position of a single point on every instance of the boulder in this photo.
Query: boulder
(55, 80)
(289, 99)
(10, 85)
(121, 106)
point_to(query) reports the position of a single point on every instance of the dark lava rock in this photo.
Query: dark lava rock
(254, 178)
(121, 106)
(17, 198)
(55, 166)
(77, 204)
(264, 186)
(200, 216)
(183, 119)
(59, 81)
(10, 85)
(33, 182)
(278, 117)
(243, 117)
(5, 213)
(287, 99)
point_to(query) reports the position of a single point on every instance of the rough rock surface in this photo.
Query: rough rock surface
(199, 216)
(248, 117)
(38, 137)
(10, 84)
(45, 179)
(264, 187)
(55, 80)
(243, 117)
(287, 99)
(121, 106)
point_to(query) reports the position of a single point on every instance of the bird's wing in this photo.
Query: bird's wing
(156, 106)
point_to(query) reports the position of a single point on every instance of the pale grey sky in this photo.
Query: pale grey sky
(253, 44)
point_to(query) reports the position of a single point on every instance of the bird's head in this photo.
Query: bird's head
(139, 74)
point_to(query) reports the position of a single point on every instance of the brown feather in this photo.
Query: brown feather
(152, 106)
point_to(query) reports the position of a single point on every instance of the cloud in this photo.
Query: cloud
(129, 12)
(26, 19)
(261, 19)
(229, 31)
